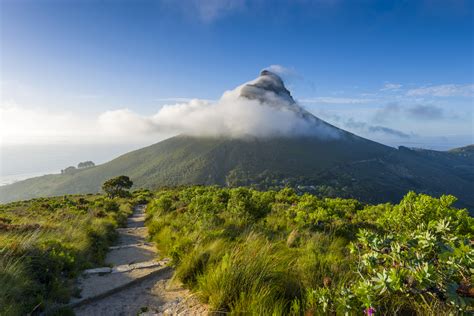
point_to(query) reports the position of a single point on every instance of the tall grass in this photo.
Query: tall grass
(252, 278)
(14, 279)
(45, 243)
(275, 253)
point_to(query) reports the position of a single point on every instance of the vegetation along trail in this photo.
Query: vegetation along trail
(134, 281)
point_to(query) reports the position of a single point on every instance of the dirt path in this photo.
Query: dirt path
(136, 282)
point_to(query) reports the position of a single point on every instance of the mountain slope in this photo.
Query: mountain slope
(352, 167)
(305, 152)
(466, 151)
(199, 160)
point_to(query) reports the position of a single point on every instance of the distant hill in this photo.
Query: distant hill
(466, 151)
(340, 165)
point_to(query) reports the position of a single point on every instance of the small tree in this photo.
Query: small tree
(86, 164)
(117, 187)
(69, 170)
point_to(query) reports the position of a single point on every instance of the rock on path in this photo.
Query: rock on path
(135, 282)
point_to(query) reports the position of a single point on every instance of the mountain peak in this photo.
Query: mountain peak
(267, 86)
(272, 75)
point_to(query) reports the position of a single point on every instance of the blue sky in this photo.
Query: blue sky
(399, 72)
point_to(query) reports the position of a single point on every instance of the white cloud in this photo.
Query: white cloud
(123, 122)
(210, 10)
(336, 100)
(417, 113)
(231, 115)
(33, 125)
(353, 122)
(282, 70)
(180, 100)
(391, 86)
(207, 11)
(445, 90)
(268, 113)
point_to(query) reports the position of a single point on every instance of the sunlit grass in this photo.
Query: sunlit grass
(246, 252)
(253, 277)
(45, 243)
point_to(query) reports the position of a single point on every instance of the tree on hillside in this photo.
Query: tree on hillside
(117, 187)
(69, 170)
(86, 164)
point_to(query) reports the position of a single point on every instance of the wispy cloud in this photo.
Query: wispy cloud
(366, 129)
(444, 90)
(210, 10)
(428, 112)
(88, 96)
(387, 112)
(206, 11)
(388, 131)
(335, 100)
(181, 100)
(391, 86)
(282, 70)
(394, 110)
(19, 124)
(267, 114)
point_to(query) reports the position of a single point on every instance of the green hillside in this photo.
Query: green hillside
(244, 251)
(247, 252)
(191, 160)
(349, 166)
(45, 244)
(467, 151)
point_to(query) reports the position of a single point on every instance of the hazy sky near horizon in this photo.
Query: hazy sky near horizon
(89, 72)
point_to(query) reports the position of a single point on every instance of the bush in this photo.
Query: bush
(45, 243)
(252, 278)
(251, 252)
(110, 206)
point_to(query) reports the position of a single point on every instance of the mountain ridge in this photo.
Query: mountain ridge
(379, 175)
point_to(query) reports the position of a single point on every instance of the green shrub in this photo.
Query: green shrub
(252, 278)
(110, 206)
(250, 252)
(194, 263)
(45, 243)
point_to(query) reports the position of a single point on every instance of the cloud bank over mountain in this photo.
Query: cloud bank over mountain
(261, 108)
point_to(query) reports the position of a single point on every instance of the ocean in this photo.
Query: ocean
(12, 178)
(21, 162)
